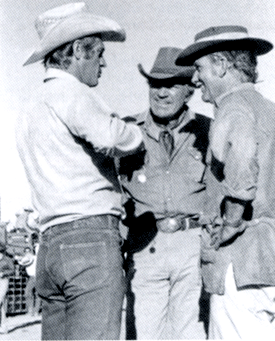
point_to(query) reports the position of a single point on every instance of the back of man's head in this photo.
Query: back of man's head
(61, 58)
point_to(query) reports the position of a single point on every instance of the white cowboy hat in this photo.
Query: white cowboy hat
(222, 38)
(66, 23)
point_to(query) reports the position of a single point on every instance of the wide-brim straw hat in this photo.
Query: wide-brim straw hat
(165, 68)
(66, 23)
(222, 38)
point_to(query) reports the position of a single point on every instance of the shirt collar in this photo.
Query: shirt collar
(240, 87)
(57, 73)
(154, 129)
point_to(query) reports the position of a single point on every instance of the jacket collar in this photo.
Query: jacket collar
(52, 73)
(240, 87)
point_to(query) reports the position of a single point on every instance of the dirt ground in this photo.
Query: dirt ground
(22, 327)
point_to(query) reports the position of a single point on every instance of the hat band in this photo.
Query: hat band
(225, 36)
(165, 70)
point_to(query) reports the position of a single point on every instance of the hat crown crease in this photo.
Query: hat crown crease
(48, 20)
(216, 30)
(66, 23)
(164, 66)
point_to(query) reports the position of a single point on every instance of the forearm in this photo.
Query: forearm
(128, 140)
(90, 120)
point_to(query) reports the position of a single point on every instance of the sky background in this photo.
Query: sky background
(149, 24)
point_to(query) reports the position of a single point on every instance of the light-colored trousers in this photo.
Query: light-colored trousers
(166, 287)
(247, 314)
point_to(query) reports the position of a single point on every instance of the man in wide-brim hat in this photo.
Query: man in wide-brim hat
(238, 242)
(168, 196)
(66, 139)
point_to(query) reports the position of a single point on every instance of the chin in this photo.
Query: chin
(91, 85)
(164, 115)
(206, 98)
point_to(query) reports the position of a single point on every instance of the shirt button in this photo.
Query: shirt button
(167, 172)
(168, 199)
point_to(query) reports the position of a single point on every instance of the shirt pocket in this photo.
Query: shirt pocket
(195, 164)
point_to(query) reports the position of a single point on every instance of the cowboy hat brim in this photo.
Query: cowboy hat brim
(76, 27)
(203, 48)
(169, 74)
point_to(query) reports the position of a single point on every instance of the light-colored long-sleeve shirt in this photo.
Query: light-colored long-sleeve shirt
(67, 137)
(165, 185)
(241, 165)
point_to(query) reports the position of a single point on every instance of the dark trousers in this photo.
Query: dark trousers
(80, 280)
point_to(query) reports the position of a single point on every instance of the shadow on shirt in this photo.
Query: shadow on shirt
(104, 163)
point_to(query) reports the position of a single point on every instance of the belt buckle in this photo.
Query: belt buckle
(172, 225)
(169, 225)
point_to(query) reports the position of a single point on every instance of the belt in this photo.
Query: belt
(101, 221)
(176, 223)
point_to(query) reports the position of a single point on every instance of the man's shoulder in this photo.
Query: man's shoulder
(241, 99)
(245, 104)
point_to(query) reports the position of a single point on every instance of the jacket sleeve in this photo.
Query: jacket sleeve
(234, 145)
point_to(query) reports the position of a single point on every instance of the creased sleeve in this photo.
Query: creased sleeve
(92, 120)
(238, 153)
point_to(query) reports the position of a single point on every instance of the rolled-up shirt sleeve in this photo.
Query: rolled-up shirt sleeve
(91, 119)
(235, 145)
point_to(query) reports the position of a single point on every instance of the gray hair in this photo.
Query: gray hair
(242, 60)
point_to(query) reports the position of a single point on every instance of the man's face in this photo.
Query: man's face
(167, 97)
(90, 65)
(206, 78)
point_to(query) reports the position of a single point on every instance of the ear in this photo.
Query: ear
(223, 67)
(77, 48)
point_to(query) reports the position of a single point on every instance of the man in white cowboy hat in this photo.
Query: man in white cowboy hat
(67, 139)
(238, 241)
(166, 195)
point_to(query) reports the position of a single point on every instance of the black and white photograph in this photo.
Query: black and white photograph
(137, 182)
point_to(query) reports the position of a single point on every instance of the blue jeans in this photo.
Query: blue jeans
(80, 280)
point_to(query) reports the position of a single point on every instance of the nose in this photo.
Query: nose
(103, 62)
(162, 92)
(195, 79)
